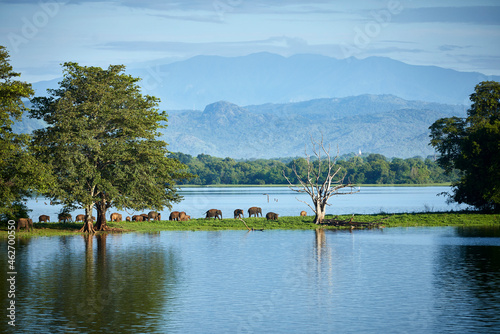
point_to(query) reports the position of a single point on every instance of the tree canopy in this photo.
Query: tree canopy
(472, 146)
(101, 140)
(365, 169)
(19, 171)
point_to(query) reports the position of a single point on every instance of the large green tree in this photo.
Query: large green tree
(472, 146)
(102, 141)
(19, 171)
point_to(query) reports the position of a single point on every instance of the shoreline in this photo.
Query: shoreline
(445, 184)
(429, 219)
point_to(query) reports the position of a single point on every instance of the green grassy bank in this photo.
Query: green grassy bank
(289, 223)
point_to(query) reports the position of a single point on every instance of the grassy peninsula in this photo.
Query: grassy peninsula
(461, 219)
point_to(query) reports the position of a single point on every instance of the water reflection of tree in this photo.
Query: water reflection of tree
(323, 255)
(130, 291)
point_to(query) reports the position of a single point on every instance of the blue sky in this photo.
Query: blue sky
(41, 35)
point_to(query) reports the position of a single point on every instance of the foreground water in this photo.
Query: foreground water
(285, 202)
(396, 280)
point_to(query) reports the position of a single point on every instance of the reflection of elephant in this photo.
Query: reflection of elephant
(116, 217)
(44, 218)
(174, 215)
(26, 223)
(137, 218)
(79, 218)
(303, 213)
(271, 216)
(254, 211)
(64, 217)
(213, 213)
(185, 218)
(154, 215)
(238, 213)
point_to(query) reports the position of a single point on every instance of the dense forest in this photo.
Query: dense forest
(364, 169)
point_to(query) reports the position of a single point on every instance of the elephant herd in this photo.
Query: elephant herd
(238, 213)
(150, 216)
(254, 211)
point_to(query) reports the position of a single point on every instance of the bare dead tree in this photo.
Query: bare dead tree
(323, 180)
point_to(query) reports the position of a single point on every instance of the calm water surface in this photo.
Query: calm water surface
(395, 280)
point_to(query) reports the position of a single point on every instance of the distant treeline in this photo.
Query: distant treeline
(365, 169)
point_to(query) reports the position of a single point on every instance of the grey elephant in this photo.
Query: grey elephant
(44, 218)
(271, 216)
(254, 211)
(213, 213)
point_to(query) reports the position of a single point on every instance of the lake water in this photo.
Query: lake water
(284, 201)
(394, 280)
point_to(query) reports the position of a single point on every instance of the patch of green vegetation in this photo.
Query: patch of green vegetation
(461, 219)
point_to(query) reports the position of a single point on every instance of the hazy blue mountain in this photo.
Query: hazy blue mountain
(269, 78)
(379, 124)
(383, 124)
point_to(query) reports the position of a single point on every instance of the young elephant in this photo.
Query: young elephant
(185, 218)
(26, 223)
(238, 213)
(64, 217)
(303, 213)
(137, 218)
(44, 218)
(271, 216)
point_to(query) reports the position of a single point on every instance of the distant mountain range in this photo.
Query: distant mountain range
(382, 124)
(269, 78)
(269, 105)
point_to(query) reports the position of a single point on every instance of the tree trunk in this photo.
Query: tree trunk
(88, 225)
(101, 224)
(320, 212)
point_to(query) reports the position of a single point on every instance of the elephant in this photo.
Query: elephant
(26, 223)
(116, 217)
(213, 213)
(174, 215)
(182, 214)
(137, 218)
(303, 213)
(271, 216)
(154, 215)
(238, 213)
(254, 211)
(145, 217)
(128, 218)
(65, 217)
(44, 218)
(79, 218)
(185, 218)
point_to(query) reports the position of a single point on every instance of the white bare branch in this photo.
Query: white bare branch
(323, 179)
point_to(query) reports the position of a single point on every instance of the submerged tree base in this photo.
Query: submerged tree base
(353, 224)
